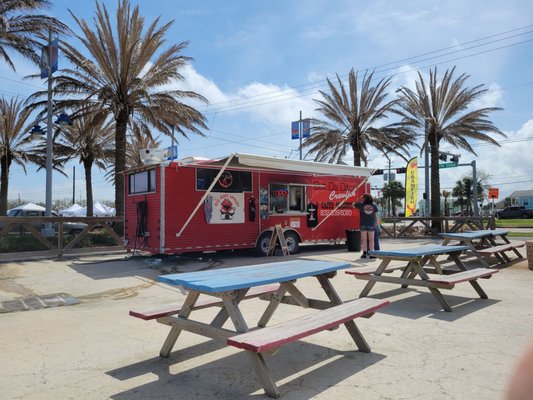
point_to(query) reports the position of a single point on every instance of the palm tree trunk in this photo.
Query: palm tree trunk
(120, 160)
(356, 147)
(87, 166)
(4, 181)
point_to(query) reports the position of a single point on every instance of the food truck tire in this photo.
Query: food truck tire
(263, 243)
(293, 242)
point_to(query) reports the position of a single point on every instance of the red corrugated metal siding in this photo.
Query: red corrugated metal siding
(181, 199)
(152, 242)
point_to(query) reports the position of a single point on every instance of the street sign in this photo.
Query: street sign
(448, 165)
(493, 193)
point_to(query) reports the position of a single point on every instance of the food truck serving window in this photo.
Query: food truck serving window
(286, 197)
(142, 182)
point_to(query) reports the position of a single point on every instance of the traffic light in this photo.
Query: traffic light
(378, 172)
(442, 157)
(401, 170)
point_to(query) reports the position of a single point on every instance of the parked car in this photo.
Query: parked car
(34, 210)
(514, 212)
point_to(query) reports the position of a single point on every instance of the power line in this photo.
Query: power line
(322, 83)
(240, 104)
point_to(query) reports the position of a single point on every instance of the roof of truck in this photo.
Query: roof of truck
(274, 163)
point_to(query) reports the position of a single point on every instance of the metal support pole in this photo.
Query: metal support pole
(474, 188)
(73, 184)
(300, 133)
(426, 174)
(48, 229)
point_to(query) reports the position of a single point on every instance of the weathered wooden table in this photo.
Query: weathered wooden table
(485, 242)
(414, 272)
(229, 286)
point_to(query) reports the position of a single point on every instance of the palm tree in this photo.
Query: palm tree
(463, 191)
(21, 27)
(440, 112)
(14, 129)
(124, 75)
(90, 139)
(459, 193)
(349, 122)
(393, 191)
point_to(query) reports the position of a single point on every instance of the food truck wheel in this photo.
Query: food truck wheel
(293, 244)
(263, 244)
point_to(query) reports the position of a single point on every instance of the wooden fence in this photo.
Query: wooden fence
(34, 225)
(413, 227)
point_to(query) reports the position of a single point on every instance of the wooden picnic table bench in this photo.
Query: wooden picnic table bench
(230, 286)
(414, 272)
(485, 243)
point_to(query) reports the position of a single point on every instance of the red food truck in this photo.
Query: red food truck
(194, 204)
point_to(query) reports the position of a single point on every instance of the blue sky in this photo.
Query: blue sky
(260, 63)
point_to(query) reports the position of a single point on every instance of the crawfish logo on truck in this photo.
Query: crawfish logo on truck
(226, 208)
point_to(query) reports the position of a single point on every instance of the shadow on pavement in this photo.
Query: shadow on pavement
(232, 377)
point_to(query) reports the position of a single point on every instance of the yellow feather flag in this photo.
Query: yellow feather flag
(411, 186)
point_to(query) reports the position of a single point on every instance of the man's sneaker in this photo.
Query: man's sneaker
(363, 255)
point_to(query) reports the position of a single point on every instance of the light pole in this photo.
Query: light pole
(426, 168)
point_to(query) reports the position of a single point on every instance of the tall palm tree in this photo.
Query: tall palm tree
(350, 118)
(21, 28)
(90, 139)
(459, 193)
(393, 191)
(14, 127)
(124, 74)
(441, 112)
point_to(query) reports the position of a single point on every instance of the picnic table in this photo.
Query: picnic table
(486, 242)
(275, 282)
(415, 273)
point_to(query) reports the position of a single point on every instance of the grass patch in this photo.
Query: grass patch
(514, 223)
(521, 234)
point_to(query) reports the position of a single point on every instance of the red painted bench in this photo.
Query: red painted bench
(271, 337)
(463, 276)
(165, 311)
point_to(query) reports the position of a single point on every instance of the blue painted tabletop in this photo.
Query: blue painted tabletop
(421, 251)
(475, 234)
(225, 279)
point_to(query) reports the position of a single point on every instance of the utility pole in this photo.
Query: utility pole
(48, 230)
(73, 184)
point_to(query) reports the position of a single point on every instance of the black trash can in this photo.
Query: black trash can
(353, 240)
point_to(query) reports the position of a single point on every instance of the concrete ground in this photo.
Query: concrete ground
(94, 350)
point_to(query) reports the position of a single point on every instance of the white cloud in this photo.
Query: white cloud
(492, 98)
(277, 105)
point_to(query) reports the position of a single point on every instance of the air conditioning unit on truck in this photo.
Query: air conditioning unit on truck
(235, 202)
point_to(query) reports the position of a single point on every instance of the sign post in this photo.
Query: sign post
(301, 129)
(493, 194)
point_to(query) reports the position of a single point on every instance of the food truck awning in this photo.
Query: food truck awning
(264, 162)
